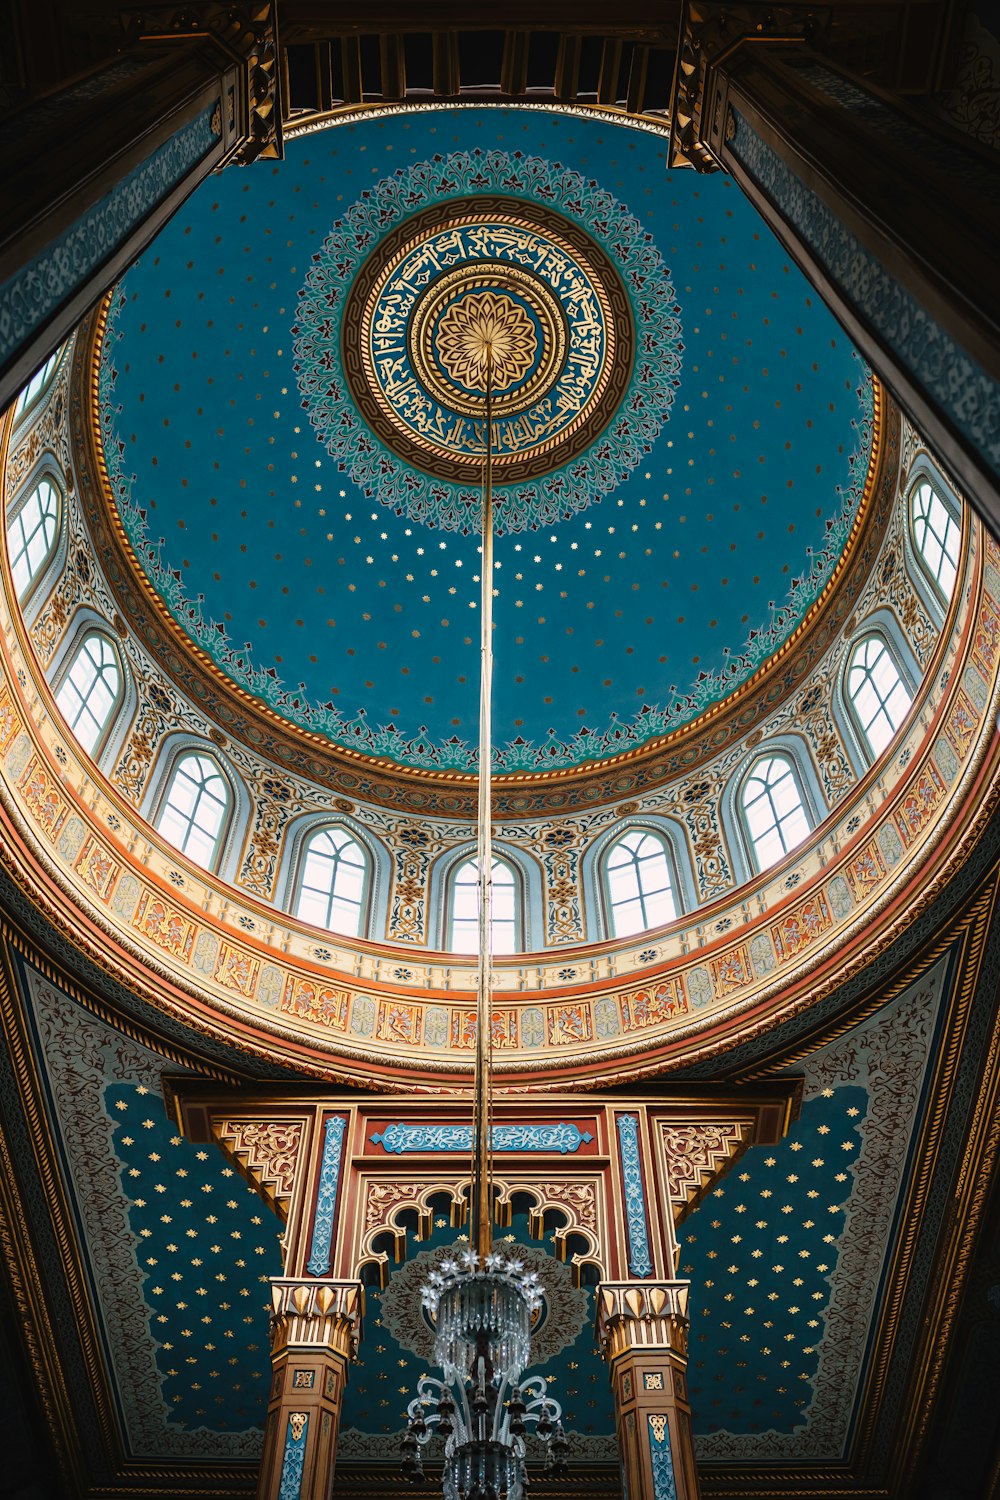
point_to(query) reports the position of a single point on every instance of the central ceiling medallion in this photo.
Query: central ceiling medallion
(418, 318)
(484, 332)
(424, 270)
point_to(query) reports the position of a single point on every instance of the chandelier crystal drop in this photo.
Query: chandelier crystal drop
(480, 1302)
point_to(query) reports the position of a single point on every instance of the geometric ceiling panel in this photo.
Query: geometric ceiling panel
(763, 1288)
(172, 1238)
(207, 1247)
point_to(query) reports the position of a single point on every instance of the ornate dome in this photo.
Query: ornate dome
(684, 436)
(725, 644)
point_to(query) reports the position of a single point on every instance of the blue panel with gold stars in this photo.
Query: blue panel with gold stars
(761, 1252)
(291, 412)
(207, 1246)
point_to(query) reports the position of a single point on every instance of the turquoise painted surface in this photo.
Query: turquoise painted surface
(613, 626)
(761, 1252)
(206, 1245)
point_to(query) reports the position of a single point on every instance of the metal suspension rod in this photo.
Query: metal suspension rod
(483, 1115)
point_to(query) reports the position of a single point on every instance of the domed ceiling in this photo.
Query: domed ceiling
(292, 421)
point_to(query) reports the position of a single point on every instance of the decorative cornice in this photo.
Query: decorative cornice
(245, 31)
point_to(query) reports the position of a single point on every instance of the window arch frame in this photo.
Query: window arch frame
(288, 878)
(923, 472)
(89, 629)
(44, 473)
(794, 751)
(24, 404)
(668, 840)
(875, 630)
(317, 831)
(524, 888)
(172, 754)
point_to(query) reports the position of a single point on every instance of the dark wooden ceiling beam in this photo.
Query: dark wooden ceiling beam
(312, 20)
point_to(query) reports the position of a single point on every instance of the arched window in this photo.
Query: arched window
(773, 810)
(638, 883)
(195, 808)
(31, 534)
(333, 888)
(463, 909)
(876, 692)
(36, 385)
(88, 693)
(936, 535)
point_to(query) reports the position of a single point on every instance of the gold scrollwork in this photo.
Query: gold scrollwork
(658, 1427)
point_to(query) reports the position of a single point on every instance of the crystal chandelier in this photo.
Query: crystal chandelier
(481, 1303)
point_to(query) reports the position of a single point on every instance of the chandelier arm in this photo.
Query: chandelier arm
(482, 1164)
(500, 1415)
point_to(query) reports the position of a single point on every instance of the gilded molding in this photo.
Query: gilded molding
(316, 1314)
(642, 1315)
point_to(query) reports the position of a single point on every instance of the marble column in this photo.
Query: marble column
(315, 1329)
(642, 1329)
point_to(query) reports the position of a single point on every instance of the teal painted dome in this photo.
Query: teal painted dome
(292, 419)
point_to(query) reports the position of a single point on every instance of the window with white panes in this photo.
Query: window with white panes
(37, 384)
(878, 696)
(463, 909)
(773, 810)
(638, 883)
(31, 534)
(333, 886)
(936, 535)
(88, 693)
(195, 808)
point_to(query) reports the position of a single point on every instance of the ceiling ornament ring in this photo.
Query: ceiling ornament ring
(383, 313)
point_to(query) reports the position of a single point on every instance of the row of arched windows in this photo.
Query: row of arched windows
(637, 871)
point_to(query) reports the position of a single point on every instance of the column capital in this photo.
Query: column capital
(316, 1314)
(636, 1315)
